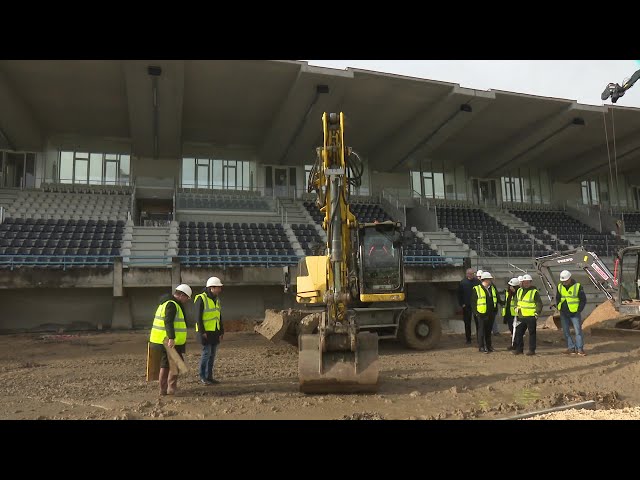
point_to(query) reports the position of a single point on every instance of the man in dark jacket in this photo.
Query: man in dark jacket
(169, 322)
(209, 327)
(465, 287)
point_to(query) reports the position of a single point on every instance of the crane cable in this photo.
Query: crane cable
(615, 156)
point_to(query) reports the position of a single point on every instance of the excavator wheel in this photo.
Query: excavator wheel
(420, 329)
(338, 371)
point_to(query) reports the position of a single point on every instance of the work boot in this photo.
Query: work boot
(163, 380)
(173, 384)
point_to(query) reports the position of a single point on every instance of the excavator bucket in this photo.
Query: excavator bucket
(286, 325)
(338, 371)
(280, 325)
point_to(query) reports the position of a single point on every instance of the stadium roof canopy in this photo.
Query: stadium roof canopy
(275, 108)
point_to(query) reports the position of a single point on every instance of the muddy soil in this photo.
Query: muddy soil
(102, 376)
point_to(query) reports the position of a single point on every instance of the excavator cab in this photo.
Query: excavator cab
(380, 247)
(627, 277)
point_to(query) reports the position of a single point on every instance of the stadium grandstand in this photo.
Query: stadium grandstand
(119, 179)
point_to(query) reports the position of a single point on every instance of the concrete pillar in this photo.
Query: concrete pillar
(122, 318)
(176, 278)
(118, 291)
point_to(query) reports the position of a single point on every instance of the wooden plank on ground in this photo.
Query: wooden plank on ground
(153, 363)
(588, 405)
(176, 364)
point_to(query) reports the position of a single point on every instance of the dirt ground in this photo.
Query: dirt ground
(102, 376)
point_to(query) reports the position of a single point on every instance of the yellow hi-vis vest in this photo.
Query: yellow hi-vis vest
(481, 305)
(210, 313)
(569, 295)
(158, 330)
(526, 304)
(512, 305)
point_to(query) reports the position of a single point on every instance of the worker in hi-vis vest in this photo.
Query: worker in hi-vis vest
(169, 322)
(484, 304)
(209, 328)
(570, 301)
(528, 307)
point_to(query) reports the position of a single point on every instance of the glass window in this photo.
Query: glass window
(188, 172)
(95, 169)
(246, 181)
(81, 172)
(438, 183)
(111, 173)
(427, 184)
(595, 198)
(585, 193)
(416, 189)
(202, 173)
(66, 167)
(230, 176)
(217, 178)
(125, 166)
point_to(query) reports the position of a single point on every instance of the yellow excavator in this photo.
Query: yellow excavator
(354, 292)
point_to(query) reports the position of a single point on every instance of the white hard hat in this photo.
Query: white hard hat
(184, 288)
(479, 273)
(520, 277)
(214, 282)
(565, 275)
(514, 282)
(527, 278)
(486, 275)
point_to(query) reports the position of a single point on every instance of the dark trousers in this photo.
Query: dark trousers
(485, 325)
(526, 323)
(466, 315)
(509, 322)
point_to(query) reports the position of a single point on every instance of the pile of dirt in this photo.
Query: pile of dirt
(602, 313)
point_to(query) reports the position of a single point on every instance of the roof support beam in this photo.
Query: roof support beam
(425, 132)
(309, 93)
(155, 99)
(597, 160)
(531, 142)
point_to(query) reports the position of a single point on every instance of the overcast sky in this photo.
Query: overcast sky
(581, 80)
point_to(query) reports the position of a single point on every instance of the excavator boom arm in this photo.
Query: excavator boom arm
(596, 270)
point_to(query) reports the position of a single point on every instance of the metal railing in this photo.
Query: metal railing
(395, 202)
(155, 260)
(433, 260)
(239, 260)
(56, 261)
(281, 210)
